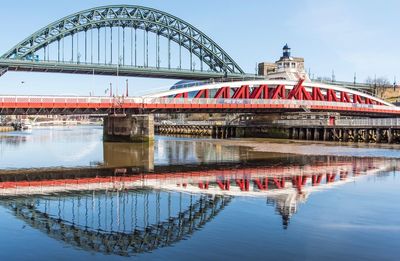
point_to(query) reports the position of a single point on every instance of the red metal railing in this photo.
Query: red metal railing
(53, 102)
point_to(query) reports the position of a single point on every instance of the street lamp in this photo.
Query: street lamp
(127, 88)
(118, 64)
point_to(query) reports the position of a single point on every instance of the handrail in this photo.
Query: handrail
(121, 101)
(367, 122)
(191, 123)
(384, 122)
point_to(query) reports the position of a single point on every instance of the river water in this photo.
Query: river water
(66, 195)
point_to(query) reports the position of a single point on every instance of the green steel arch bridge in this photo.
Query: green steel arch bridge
(126, 40)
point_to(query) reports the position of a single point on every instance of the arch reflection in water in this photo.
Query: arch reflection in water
(131, 211)
(121, 222)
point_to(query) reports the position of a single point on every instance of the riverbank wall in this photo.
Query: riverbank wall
(365, 134)
(6, 128)
(223, 131)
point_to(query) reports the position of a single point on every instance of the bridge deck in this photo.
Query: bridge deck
(114, 69)
(101, 105)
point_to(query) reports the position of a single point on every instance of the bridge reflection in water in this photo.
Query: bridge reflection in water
(129, 210)
(122, 223)
(170, 152)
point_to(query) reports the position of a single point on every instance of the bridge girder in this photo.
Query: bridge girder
(135, 17)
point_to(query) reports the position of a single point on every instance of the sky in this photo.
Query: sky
(344, 36)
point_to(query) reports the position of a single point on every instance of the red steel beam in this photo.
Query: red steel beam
(203, 94)
(261, 185)
(279, 92)
(299, 92)
(317, 94)
(243, 92)
(224, 92)
(182, 95)
(260, 92)
(344, 97)
(331, 95)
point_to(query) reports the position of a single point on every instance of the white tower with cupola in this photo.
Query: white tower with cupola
(286, 68)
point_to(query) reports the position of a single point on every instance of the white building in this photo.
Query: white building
(286, 68)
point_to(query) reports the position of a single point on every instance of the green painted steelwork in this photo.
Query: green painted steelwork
(126, 16)
(102, 69)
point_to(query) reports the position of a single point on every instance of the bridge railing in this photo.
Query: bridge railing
(146, 101)
(192, 123)
(69, 100)
(304, 123)
(384, 122)
(291, 103)
(367, 122)
(140, 100)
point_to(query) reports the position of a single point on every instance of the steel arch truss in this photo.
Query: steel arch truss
(130, 16)
(274, 90)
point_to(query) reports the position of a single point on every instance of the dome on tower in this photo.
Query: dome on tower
(286, 51)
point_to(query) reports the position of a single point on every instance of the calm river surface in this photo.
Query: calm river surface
(64, 195)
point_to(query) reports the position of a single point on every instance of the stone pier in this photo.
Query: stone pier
(128, 128)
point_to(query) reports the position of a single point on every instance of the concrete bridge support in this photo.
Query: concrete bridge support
(356, 135)
(345, 136)
(317, 134)
(371, 135)
(390, 135)
(334, 134)
(128, 128)
(301, 134)
(308, 134)
(325, 135)
(378, 136)
(294, 133)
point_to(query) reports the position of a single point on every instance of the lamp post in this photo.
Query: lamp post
(118, 64)
(127, 88)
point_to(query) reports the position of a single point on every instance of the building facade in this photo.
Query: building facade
(286, 68)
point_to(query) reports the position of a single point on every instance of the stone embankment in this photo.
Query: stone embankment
(6, 128)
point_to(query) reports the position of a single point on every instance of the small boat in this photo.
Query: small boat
(26, 127)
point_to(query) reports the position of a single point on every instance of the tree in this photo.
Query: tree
(378, 82)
